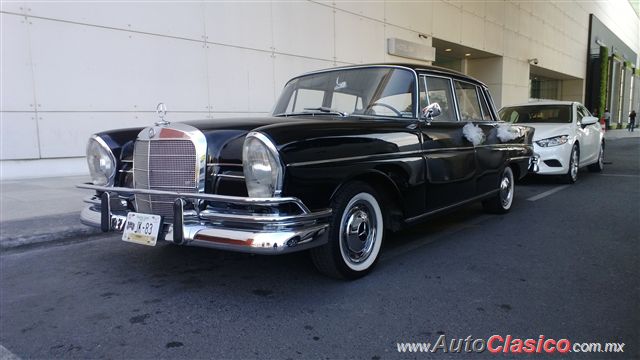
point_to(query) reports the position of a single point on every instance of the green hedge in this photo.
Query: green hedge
(604, 78)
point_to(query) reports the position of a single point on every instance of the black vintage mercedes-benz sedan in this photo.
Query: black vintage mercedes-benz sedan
(347, 154)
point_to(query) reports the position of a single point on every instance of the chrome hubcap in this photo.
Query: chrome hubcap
(506, 190)
(358, 231)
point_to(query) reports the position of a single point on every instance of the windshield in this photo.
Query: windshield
(551, 114)
(360, 91)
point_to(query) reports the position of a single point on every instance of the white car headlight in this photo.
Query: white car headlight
(554, 141)
(102, 163)
(263, 171)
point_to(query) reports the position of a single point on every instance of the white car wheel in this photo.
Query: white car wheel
(574, 164)
(599, 165)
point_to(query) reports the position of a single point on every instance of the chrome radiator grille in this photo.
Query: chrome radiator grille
(169, 165)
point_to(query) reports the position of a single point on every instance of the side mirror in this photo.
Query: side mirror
(431, 111)
(589, 120)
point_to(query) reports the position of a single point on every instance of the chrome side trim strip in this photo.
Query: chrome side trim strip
(476, 198)
(229, 176)
(381, 156)
(351, 158)
(223, 164)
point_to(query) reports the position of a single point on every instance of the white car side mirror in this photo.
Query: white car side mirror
(589, 120)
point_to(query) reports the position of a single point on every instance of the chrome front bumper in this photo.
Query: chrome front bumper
(252, 225)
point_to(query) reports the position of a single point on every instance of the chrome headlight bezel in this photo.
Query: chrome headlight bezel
(103, 173)
(258, 150)
(553, 141)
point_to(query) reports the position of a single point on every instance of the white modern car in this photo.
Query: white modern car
(567, 137)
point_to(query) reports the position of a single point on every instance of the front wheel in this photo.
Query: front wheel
(502, 201)
(599, 165)
(574, 163)
(355, 234)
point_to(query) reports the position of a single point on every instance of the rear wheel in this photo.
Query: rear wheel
(599, 165)
(574, 163)
(355, 234)
(502, 201)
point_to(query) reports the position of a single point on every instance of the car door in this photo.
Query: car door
(490, 155)
(450, 158)
(588, 137)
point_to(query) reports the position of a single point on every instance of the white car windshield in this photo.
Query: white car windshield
(376, 91)
(551, 114)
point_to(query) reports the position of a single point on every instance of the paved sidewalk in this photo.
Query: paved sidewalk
(622, 134)
(41, 210)
(34, 211)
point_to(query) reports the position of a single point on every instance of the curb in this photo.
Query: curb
(43, 230)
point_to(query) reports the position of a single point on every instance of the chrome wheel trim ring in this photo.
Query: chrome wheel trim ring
(361, 230)
(506, 188)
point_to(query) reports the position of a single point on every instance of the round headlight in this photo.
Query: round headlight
(102, 163)
(261, 165)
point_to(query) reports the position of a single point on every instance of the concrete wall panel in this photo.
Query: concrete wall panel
(246, 24)
(413, 15)
(371, 9)
(495, 11)
(180, 19)
(17, 85)
(19, 136)
(473, 31)
(443, 27)
(362, 39)
(494, 38)
(82, 68)
(303, 28)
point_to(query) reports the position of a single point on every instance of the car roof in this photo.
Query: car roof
(411, 66)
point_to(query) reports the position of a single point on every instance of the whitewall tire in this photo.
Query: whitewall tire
(356, 233)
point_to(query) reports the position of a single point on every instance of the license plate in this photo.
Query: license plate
(142, 228)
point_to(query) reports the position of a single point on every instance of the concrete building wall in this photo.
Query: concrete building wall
(71, 69)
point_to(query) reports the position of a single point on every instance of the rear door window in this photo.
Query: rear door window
(468, 102)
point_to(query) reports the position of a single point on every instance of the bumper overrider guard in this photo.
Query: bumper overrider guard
(270, 231)
(534, 160)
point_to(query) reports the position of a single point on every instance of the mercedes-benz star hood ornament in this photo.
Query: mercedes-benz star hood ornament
(161, 110)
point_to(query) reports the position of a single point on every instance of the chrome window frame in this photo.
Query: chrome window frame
(453, 95)
(415, 87)
(482, 90)
(476, 87)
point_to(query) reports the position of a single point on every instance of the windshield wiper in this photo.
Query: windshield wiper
(321, 110)
(327, 110)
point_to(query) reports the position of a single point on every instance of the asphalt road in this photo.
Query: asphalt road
(565, 266)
